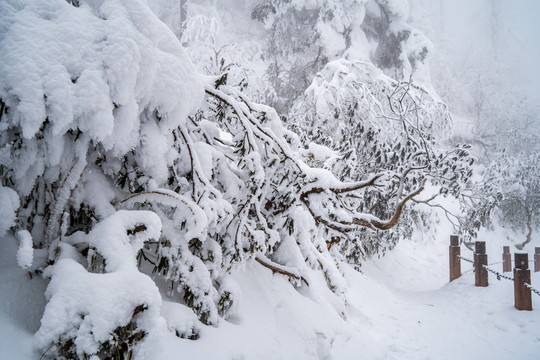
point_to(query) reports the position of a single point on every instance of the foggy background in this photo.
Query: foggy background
(489, 44)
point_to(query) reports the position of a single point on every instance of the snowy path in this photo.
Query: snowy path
(457, 321)
(419, 315)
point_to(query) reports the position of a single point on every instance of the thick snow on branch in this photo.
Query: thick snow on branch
(10, 203)
(25, 254)
(73, 69)
(93, 67)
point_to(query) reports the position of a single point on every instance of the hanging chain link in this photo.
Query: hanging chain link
(498, 274)
(465, 259)
(532, 289)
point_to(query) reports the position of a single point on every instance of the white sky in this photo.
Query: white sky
(463, 28)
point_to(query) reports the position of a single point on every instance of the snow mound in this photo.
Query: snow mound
(97, 310)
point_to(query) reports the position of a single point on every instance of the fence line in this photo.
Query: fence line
(499, 275)
(521, 279)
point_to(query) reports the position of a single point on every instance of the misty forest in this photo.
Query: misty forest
(268, 179)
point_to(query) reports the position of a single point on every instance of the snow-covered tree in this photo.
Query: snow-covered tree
(89, 94)
(509, 191)
(520, 206)
(375, 123)
(302, 36)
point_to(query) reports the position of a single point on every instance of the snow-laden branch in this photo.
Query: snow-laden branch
(250, 123)
(280, 269)
(316, 181)
(66, 187)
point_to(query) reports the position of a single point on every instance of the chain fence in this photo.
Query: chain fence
(498, 274)
(465, 259)
(501, 276)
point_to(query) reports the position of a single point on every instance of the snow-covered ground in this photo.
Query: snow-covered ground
(400, 307)
(21, 304)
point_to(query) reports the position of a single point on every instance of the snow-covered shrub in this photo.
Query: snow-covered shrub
(89, 98)
(77, 106)
(101, 314)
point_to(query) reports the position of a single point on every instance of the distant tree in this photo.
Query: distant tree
(302, 36)
(293, 51)
(515, 172)
(520, 207)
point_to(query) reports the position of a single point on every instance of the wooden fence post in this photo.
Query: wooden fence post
(522, 294)
(507, 259)
(455, 261)
(480, 258)
(536, 259)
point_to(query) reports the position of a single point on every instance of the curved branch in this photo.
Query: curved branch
(163, 194)
(370, 222)
(397, 213)
(193, 171)
(447, 213)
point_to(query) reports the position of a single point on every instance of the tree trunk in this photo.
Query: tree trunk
(529, 234)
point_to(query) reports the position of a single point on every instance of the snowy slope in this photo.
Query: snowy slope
(400, 307)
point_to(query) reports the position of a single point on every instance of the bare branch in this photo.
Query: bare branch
(277, 269)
